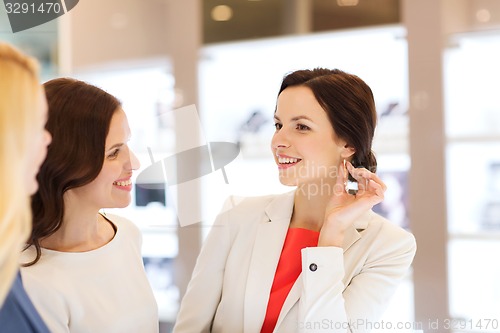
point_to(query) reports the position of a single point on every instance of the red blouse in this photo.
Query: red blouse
(288, 270)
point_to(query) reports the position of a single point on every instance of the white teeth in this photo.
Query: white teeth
(123, 183)
(287, 160)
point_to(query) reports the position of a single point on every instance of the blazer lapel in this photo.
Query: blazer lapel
(270, 236)
(352, 235)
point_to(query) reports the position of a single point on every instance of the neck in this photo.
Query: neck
(82, 229)
(310, 203)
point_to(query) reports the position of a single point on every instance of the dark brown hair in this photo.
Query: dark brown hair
(349, 104)
(79, 119)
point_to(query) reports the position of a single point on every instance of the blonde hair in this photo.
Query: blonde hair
(19, 94)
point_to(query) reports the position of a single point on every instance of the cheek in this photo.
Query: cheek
(110, 172)
(104, 180)
(273, 141)
(314, 149)
(324, 154)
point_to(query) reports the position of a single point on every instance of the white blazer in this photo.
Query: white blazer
(348, 292)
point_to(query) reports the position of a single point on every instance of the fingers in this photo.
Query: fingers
(341, 180)
(375, 188)
(364, 176)
(343, 208)
(371, 187)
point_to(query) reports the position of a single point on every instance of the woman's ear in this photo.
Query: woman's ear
(347, 152)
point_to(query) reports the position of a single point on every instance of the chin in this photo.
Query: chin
(119, 202)
(288, 181)
(123, 204)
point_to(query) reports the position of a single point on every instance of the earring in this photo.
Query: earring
(351, 185)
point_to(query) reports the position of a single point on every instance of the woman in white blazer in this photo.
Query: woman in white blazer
(316, 259)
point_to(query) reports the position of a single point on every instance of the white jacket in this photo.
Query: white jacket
(349, 291)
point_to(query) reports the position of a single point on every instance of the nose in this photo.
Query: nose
(134, 161)
(280, 139)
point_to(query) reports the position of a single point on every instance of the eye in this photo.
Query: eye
(114, 153)
(278, 126)
(302, 127)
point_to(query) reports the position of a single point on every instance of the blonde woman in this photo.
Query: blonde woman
(23, 146)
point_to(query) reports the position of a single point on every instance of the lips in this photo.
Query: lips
(284, 160)
(123, 182)
(287, 160)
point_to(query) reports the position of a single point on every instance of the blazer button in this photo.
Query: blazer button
(313, 267)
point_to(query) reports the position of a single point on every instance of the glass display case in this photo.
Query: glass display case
(472, 112)
(40, 42)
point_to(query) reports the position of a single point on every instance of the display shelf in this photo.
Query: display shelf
(485, 235)
(493, 138)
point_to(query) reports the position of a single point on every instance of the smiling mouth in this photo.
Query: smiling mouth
(288, 160)
(123, 183)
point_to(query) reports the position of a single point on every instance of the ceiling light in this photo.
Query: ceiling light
(483, 15)
(222, 13)
(347, 2)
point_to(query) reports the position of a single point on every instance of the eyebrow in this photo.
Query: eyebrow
(115, 146)
(295, 118)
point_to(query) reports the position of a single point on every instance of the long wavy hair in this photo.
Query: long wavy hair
(349, 104)
(79, 119)
(20, 91)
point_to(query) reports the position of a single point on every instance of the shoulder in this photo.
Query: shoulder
(128, 234)
(387, 228)
(388, 235)
(255, 204)
(240, 210)
(47, 279)
(17, 314)
(122, 223)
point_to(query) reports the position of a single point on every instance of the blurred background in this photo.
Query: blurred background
(194, 72)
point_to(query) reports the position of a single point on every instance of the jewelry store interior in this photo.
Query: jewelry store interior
(432, 66)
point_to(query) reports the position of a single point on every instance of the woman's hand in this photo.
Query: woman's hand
(343, 208)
